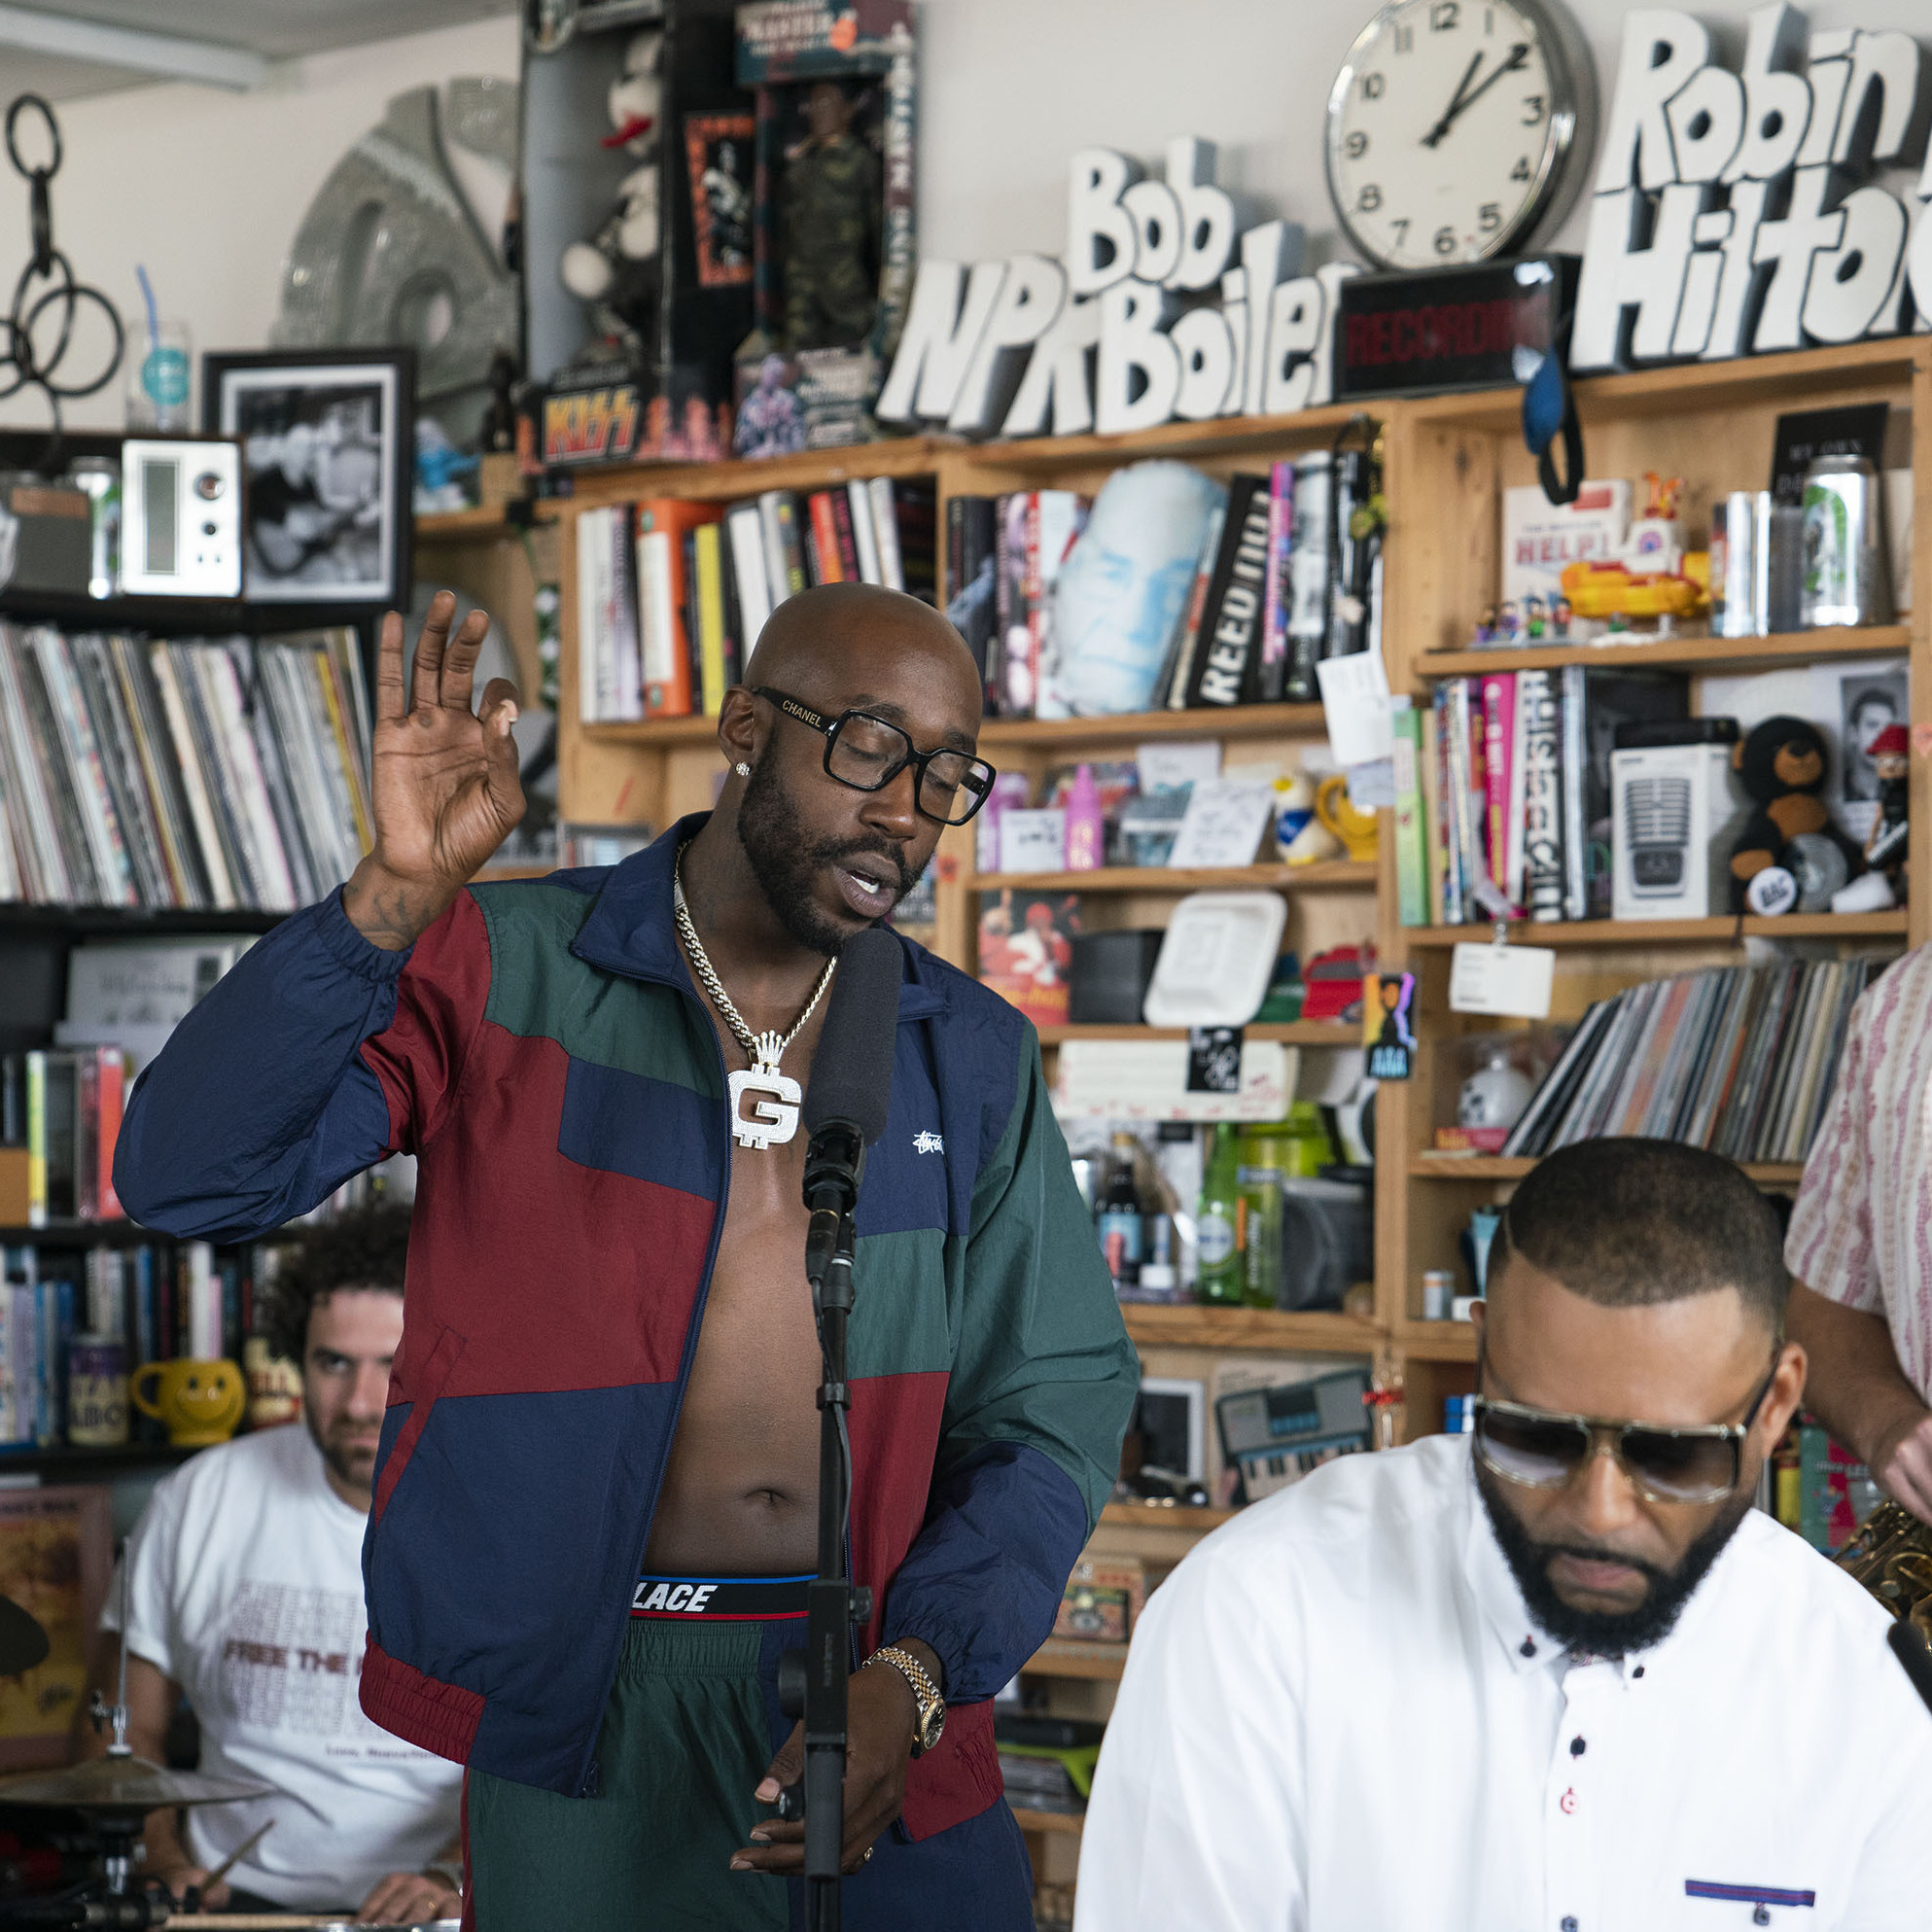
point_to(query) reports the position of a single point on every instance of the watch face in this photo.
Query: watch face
(1446, 128)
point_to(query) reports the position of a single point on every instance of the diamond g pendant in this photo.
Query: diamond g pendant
(774, 1119)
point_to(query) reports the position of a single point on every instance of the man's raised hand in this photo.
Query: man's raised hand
(446, 781)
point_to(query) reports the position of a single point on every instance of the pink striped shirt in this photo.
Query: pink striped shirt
(1861, 1232)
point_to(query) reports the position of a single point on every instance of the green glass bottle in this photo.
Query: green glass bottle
(1219, 1222)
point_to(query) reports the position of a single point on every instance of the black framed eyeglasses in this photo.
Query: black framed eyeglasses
(868, 753)
(1543, 1451)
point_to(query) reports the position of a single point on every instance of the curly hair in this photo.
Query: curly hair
(361, 1248)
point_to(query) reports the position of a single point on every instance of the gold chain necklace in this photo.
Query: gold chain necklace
(775, 1119)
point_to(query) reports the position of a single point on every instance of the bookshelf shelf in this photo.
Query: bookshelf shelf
(1291, 1033)
(1724, 653)
(1337, 873)
(1437, 1341)
(1062, 1657)
(1048, 1822)
(745, 477)
(1242, 720)
(1164, 1515)
(1496, 1167)
(68, 1461)
(649, 732)
(132, 920)
(1675, 932)
(1194, 1325)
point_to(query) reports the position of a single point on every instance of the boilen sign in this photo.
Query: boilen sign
(1734, 213)
(1160, 310)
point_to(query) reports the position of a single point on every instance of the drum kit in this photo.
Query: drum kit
(87, 1820)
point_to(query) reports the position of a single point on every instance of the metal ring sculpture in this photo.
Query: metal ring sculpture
(24, 363)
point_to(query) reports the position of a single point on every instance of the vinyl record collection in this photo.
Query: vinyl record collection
(672, 594)
(211, 776)
(1740, 1060)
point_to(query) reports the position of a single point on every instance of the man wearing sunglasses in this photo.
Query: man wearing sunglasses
(596, 1505)
(1557, 1676)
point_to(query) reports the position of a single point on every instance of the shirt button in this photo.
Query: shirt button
(1569, 1923)
(1576, 1748)
(1528, 1646)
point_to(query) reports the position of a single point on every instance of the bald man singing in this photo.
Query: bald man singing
(595, 1508)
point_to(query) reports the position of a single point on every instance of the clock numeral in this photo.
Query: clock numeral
(1445, 16)
(1369, 199)
(1520, 171)
(1372, 86)
(1401, 227)
(1532, 110)
(1445, 240)
(1490, 219)
(1355, 146)
(1405, 39)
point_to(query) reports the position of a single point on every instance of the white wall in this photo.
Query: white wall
(206, 187)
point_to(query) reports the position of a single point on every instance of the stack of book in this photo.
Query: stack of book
(64, 1108)
(672, 594)
(205, 775)
(1503, 801)
(158, 1301)
(1259, 616)
(1740, 1060)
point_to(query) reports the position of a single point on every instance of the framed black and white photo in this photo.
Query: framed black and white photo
(327, 440)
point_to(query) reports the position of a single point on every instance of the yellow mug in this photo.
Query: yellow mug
(200, 1402)
(1358, 830)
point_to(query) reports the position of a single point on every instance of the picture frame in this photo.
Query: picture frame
(328, 441)
(56, 1556)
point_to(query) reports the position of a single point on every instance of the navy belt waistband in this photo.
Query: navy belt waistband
(722, 1599)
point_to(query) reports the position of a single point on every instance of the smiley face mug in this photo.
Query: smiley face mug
(200, 1402)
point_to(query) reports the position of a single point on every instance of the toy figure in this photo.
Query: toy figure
(829, 213)
(1533, 622)
(1509, 624)
(1486, 625)
(1782, 764)
(728, 203)
(617, 271)
(770, 421)
(1561, 616)
(1886, 843)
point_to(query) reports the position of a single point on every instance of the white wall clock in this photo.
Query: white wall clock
(1453, 127)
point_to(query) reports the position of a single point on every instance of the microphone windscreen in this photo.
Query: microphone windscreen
(851, 1070)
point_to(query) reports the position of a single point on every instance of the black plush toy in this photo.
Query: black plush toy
(1782, 765)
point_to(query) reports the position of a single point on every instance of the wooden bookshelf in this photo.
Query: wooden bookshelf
(1048, 1822)
(1339, 873)
(1687, 652)
(1235, 723)
(1062, 1657)
(1331, 1033)
(1190, 1325)
(1594, 933)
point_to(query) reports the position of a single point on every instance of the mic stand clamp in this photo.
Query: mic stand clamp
(811, 1682)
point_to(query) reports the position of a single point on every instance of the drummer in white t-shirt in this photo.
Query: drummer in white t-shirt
(246, 1597)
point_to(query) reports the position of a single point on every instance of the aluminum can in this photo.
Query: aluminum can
(100, 477)
(1736, 608)
(1845, 580)
(96, 1391)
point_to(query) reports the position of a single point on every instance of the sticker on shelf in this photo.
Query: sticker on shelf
(1107, 1080)
(1511, 980)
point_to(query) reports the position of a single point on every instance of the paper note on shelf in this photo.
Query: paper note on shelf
(1513, 980)
(1222, 824)
(1178, 762)
(1355, 704)
(1108, 1079)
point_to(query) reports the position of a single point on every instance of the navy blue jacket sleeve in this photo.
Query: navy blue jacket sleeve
(262, 1103)
(1043, 1383)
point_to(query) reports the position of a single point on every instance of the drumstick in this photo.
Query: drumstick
(235, 1856)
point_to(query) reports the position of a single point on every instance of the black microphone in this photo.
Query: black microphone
(852, 1070)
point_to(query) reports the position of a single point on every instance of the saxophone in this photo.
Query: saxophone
(1891, 1556)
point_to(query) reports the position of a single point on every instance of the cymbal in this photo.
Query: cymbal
(22, 1641)
(125, 1784)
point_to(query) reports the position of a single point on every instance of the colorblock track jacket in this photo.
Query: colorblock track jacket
(545, 1053)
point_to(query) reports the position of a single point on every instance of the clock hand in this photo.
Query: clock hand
(1518, 55)
(1455, 106)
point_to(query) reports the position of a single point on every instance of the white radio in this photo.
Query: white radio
(180, 516)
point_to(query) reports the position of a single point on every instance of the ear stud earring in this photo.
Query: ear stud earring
(741, 769)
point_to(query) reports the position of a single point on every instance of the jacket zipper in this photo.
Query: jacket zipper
(586, 1783)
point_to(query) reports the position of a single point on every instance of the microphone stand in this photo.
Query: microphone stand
(811, 1682)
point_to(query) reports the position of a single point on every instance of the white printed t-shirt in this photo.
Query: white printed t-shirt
(1861, 1232)
(247, 1591)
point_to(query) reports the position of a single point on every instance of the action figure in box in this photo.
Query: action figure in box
(1886, 843)
(832, 224)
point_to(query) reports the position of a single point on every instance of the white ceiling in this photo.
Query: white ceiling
(275, 28)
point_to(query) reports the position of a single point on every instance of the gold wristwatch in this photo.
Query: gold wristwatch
(925, 1692)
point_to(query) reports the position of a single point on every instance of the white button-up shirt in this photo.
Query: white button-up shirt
(1336, 1716)
(1861, 1232)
